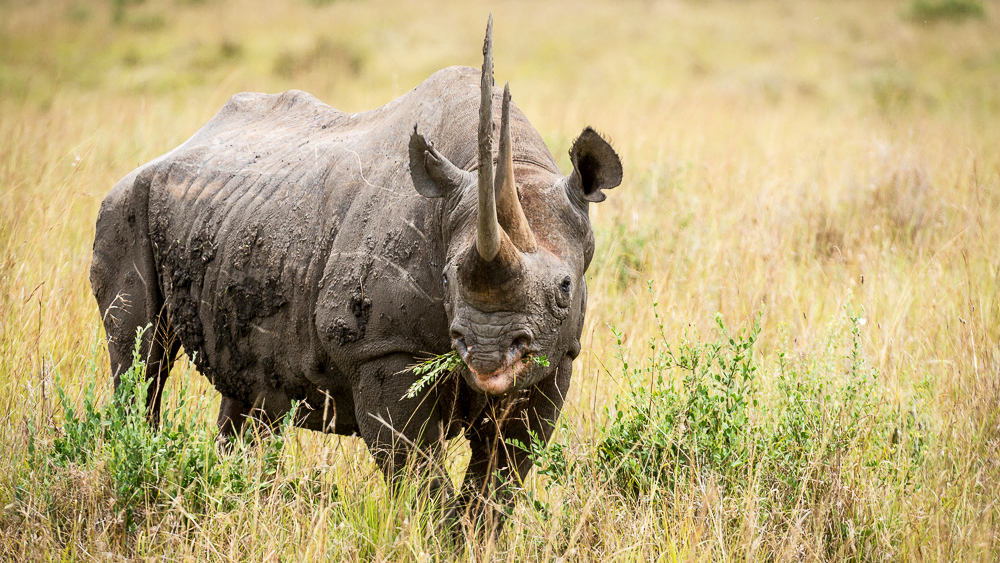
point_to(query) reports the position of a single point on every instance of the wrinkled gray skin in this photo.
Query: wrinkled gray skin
(299, 253)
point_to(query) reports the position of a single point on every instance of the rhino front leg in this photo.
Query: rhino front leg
(496, 467)
(402, 434)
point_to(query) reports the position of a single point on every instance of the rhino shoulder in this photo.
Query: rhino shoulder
(259, 103)
(259, 108)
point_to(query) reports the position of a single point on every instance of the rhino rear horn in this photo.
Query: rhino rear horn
(509, 210)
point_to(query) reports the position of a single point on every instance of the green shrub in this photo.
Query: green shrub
(663, 426)
(699, 411)
(149, 467)
(953, 10)
(809, 440)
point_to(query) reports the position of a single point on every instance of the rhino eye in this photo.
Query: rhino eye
(562, 297)
(444, 278)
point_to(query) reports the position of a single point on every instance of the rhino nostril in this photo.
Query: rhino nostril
(460, 346)
(519, 345)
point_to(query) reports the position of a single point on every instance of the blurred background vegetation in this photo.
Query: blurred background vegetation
(824, 174)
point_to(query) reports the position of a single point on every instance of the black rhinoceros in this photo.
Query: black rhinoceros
(300, 253)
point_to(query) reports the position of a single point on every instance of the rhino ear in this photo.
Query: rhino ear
(596, 166)
(433, 175)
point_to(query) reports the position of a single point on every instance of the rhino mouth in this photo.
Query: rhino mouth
(492, 375)
(498, 382)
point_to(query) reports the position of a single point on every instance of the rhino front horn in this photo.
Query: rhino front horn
(487, 226)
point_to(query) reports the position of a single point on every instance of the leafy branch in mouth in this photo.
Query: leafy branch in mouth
(538, 360)
(434, 367)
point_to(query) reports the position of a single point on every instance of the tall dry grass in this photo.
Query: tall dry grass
(789, 158)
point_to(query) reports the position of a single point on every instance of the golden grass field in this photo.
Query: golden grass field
(796, 159)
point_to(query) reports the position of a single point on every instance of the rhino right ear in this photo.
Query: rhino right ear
(434, 175)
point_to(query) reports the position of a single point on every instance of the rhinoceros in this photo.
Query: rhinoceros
(302, 254)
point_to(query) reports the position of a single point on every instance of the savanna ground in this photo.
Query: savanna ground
(829, 170)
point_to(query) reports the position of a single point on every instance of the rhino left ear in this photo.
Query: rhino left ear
(596, 166)
(434, 175)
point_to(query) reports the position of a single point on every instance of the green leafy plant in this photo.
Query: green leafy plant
(552, 459)
(431, 369)
(434, 367)
(658, 427)
(179, 461)
(692, 409)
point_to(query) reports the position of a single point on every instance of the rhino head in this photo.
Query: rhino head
(519, 243)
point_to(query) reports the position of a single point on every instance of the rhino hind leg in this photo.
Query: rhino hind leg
(163, 347)
(126, 285)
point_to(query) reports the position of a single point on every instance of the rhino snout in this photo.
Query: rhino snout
(495, 364)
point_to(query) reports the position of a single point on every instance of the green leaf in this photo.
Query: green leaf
(431, 369)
